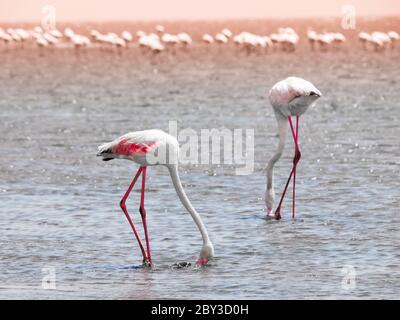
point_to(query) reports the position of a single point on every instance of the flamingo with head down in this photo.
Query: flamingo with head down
(149, 148)
(289, 98)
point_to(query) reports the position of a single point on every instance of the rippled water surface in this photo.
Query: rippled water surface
(59, 203)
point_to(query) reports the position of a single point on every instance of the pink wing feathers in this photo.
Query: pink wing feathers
(129, 145)
(125, 147)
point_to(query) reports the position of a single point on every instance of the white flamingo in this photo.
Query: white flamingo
(69, 33)
(42, 42)
(80, 41)
(227, 33)
(160, 29)
(127, 36)
(324, 41)
(364, 38)
(56, 33)
(184, 39)
(170, 38)
(38, 29)
(289, 97)
(380, 40)
(207, 38)
(221, 38)
(312, 38)
(50, 39)
(394, 37)
(148, 148)
(288, 39)
(5, 37)
(338, 39)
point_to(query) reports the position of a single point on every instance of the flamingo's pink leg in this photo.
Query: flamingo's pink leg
(295, 161)
(278, 209)
(292, 172)
(142, 211)
(123, 207)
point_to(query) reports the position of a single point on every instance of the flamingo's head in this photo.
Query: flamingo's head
(295, 93)
(305, 92)
(206, 253)
(309, 97)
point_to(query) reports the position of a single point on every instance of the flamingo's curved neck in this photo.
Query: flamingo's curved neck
(282, 129)
(173, 170)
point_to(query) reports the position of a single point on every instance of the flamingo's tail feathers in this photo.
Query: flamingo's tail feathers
(105, 151)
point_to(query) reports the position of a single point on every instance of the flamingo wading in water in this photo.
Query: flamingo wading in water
(149, 148)
(289, 98)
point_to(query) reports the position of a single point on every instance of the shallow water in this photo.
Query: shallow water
(59, 203)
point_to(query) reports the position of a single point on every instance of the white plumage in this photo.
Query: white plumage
(142, 147)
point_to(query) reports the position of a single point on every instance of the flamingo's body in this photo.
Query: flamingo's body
(289, 97)
(208, 38)
(148, 148)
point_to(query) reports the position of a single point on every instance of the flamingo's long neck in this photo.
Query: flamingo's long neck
(173, 169)
(270, 192)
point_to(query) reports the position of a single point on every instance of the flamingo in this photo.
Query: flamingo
(126, 36)
(380, 40)
(364, 39)
(42, 42)
(6, 37)
(338, 39)
(394, 37)
(207, 38)
(56, 33)
(142, 147)
(312, 38)
(160, 29)
(184, 38)
(289, 97)
(325, 40)
(38, 29)
(50, 38)
(68, 32)
(221, 38)
(227, 33)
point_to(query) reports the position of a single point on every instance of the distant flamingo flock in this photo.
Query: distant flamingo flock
(284, 39)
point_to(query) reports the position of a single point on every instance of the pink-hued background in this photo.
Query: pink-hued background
(85, 10)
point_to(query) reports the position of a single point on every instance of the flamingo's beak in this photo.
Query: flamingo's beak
(201, 262)
(270, 213)
(316, 93)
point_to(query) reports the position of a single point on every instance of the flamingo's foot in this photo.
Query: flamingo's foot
(277, 214)
(273, 216)
(201, 262)
(147, 263)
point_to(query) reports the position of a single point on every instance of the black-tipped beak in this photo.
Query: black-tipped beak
(315, 94)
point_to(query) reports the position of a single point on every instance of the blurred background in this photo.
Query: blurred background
(92, 10)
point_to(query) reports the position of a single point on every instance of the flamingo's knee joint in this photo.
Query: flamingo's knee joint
(122, 204)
